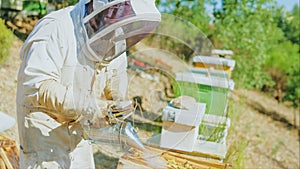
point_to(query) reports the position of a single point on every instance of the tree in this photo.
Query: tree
(190, 10)
(248, 28)
(289, 23)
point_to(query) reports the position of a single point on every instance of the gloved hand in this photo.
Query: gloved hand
(57, 100)
(92, 115)
(69, 106)
(110, 111)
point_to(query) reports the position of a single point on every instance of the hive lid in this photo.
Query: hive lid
(204, 80)
(222, 52)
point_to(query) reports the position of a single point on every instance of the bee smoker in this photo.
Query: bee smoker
(121, 133)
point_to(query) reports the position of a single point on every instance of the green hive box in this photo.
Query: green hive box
(214, 91)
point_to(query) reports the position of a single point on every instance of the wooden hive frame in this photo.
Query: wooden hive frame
(173, 159)
(9, 153)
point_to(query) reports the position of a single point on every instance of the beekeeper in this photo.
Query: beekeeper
(72, 57)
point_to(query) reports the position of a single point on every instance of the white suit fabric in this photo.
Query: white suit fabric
(55, 81)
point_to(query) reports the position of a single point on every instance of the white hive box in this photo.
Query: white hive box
(180, 127)
(212, 60)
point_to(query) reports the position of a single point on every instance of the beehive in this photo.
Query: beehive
(180, 127)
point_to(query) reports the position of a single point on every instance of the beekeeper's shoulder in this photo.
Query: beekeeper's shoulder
(52, 25)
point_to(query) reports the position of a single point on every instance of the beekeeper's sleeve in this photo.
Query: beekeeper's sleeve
(117, 83)
(44, 54)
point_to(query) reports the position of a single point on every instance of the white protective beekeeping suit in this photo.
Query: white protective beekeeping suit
(50, 58)
(61, 72)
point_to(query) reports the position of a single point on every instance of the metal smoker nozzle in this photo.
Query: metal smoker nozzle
(121, 133)
(128, 136)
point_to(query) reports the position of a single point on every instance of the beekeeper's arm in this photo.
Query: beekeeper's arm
(116, 88)
(117, 82)
(44, 54)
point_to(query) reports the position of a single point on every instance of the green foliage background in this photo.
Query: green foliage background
(6, 42)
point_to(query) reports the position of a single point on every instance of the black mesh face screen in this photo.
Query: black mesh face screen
(109, 16)
(131, 33)
(115, 27)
